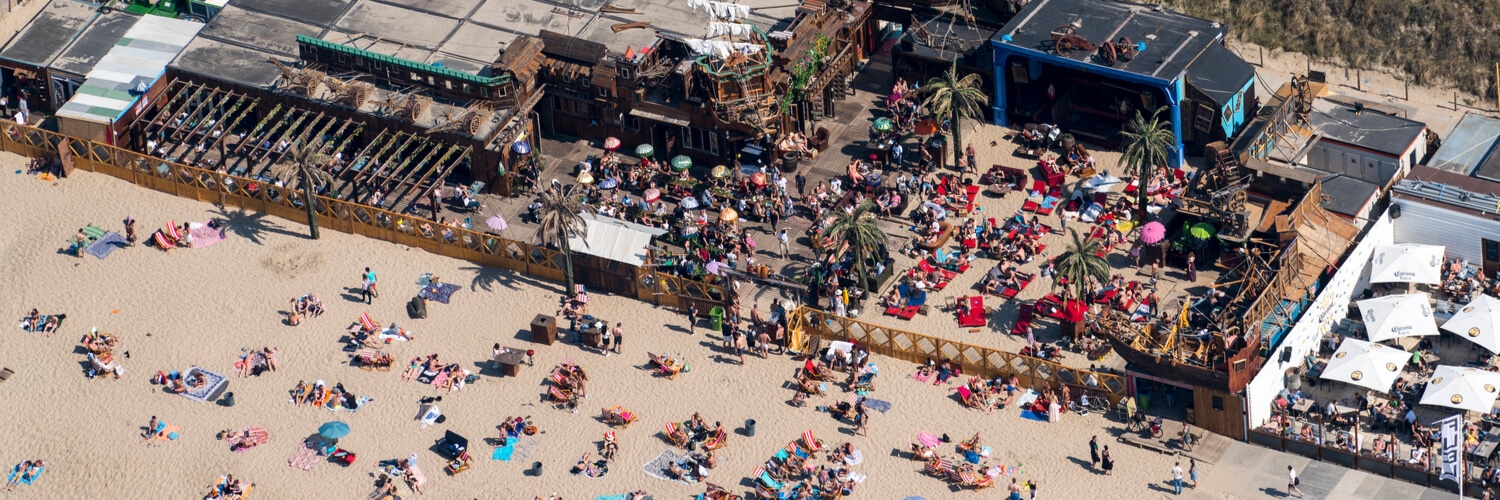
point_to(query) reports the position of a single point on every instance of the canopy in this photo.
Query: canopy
(689, 203)
(1201, 230)
(496, 222)
(521, 147)
(1392, 316)
(611, 144)
(613, 239)
(333, 430)
(651, 195)
(682, 162)
(1468, 389)
(719, 172)
(644, 150)
(728, 215)
(1407, 263)
(883, 124)
(1366, 364)
(1478, 322)
(1153, 232)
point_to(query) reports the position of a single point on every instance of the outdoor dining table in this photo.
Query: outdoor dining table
(1482, 453)
(1302, 406)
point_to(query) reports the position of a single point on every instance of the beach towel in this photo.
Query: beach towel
(214, 384)
(440, 292)
(440, 378)
(1031, 415)
(26, 481)
(657, 467)
(102, 247)
(204, 235)
(622, 496)
(1027, 398)
(430, 416)
(878, 405)
(391, 333)
(305, 458)
(504, 453)
(359, 404)
(427, 377)
(920, 377)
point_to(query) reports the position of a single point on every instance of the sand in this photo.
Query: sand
(201, 307)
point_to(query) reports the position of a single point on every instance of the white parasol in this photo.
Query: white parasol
(1366, 364)
(1469, 389)
(1478, 322)
(1407, 263)
(1393, 316)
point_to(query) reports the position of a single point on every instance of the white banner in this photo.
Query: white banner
(1451, 431)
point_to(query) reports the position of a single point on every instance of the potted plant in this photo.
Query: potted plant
(1066, 141)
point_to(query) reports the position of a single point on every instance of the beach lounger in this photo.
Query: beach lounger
(809, 442)
(162, 241)
(369, 324)
(976, 315)
(173, 231)
(559, 397)
(617, 415)
(938, 468)
(719, 440)
(417, 477)
(677, 436)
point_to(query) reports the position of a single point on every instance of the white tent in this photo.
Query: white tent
(1366, 364)
(1393, 316)
(613, 239)
(1478, 322)
(1468, 389)
(1407, 263)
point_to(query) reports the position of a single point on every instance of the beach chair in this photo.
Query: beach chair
(676, 435)
(1024, 320)
(809, 442)
(459, 464)
(368, 323)
(1010, 292)
(984, 481)
(938, 468)
(670, 370)
(914, 305)
(810, 387)
(173, 231)
(928, 267)
(719, 440)
(163, 242)
(976, 315)
(970, 399)
(622, 417)
(560, 398)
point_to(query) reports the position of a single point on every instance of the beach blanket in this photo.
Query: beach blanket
(26, 481)
(390, 333)
(102, 247)
(877, 405)
(1031, 415)
(214, 384)
(504, 453)
(657, 467)
(361, 404)
(922, 378)
(203, 235)
(427, 377)
(305, 458)
(440, 292)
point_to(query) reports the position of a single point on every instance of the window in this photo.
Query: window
(448, 83)
(603, 92)
(1218, 403)
(416, 77)
(634, 123)
(466, 88)
(501, 91)
(701, 139)
(625, 73)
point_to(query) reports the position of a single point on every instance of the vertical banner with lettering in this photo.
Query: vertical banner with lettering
(1451, 432)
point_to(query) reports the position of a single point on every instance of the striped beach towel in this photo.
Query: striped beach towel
(305, 458)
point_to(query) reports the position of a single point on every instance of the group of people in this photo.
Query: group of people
(253, 360)
(306, 306)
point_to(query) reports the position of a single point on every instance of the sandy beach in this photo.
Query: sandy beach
(203, 307)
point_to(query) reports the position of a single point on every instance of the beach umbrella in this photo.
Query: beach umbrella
(609, 183)
(1478, 322)
(611, 144)
(1469, 389)
(713, 267)
(1366, 364)
(728, 215)
(1201, 230)
(644, 150)
(1393, 316)
(1153, 232)
(689, 203)
(333, 430)
(681, 162)
(928, 439)
(521, 147)
(758, 179)
(651, 195)
(1407, 264)
(883, 124)
(719, 172)
(585, 178)
(936, 209)
(496, 222)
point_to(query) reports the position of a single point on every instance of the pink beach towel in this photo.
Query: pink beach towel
(305, 458)
(440, 379)
(203, 235)
(922, 378)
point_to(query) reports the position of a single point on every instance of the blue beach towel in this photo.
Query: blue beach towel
(877, 405)
(503, 453)
(28, 482)
(102, 247)
(440, 292)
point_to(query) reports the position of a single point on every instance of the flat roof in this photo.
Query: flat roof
(47, 34)
(1173, 40)
(93, 43)
(1346, 195)
(1220, 74)
(139, 58)
(1369, 129)
(1468, 145)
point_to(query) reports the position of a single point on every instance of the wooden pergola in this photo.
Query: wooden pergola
(245, 135)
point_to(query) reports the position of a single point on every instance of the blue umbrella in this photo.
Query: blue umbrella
(333, 430)
(521, 147)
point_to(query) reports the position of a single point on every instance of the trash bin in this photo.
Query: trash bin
(228, 399)
(716, 318)
(750, 428)
(536, 469)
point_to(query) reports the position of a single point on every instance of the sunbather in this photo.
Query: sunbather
(270, 357)
(25, 472)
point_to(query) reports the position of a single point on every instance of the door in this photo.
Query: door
(1491, 256)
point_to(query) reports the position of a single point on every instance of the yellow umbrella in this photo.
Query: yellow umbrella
(729, 215)
(719, 172)
(585, 178)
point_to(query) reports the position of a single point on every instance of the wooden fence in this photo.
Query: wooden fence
(1397, 469)
(981, 361)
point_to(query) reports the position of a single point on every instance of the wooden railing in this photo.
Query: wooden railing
(976, 360)
(1397, 469)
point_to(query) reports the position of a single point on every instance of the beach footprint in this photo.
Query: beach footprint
(289, 260)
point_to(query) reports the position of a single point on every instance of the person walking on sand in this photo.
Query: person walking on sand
(1193, 471)
(692, 318)
(619, 332)
(1292, 482)
(1094, 452)
(1177, 478)
(367, 286)
(1108, 460)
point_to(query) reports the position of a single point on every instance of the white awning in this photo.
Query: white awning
(656, 117)
(614, 239)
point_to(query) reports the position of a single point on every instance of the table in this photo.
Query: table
(1341, 409)
(1302, 406)
(510, 362)
(1430, 358)
(1485, 449)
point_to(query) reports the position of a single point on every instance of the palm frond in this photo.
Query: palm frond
(561, 216)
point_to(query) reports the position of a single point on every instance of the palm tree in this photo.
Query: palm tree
(950, 96)
(1147, 144)
(561, 216)
(859, 233)
(1080, 261)
(305, 161)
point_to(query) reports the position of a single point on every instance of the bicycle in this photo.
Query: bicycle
(1095, 404)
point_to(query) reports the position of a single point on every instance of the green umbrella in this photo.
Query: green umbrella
(644, 150)
(883, 124)
(1201, 230)
(682, 162)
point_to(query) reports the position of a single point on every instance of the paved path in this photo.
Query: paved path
(1249, 471)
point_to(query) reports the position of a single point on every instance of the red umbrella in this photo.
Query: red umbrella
(611, 144)
(651, 195)
(758, 178)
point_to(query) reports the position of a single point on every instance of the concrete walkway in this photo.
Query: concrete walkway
(1249, 471)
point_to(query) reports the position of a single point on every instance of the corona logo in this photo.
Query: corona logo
(1391, 367)
(1341, 355)
(1473, 331)
(1456, 399)
(1357, 375)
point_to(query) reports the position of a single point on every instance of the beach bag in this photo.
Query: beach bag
(417, 308)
